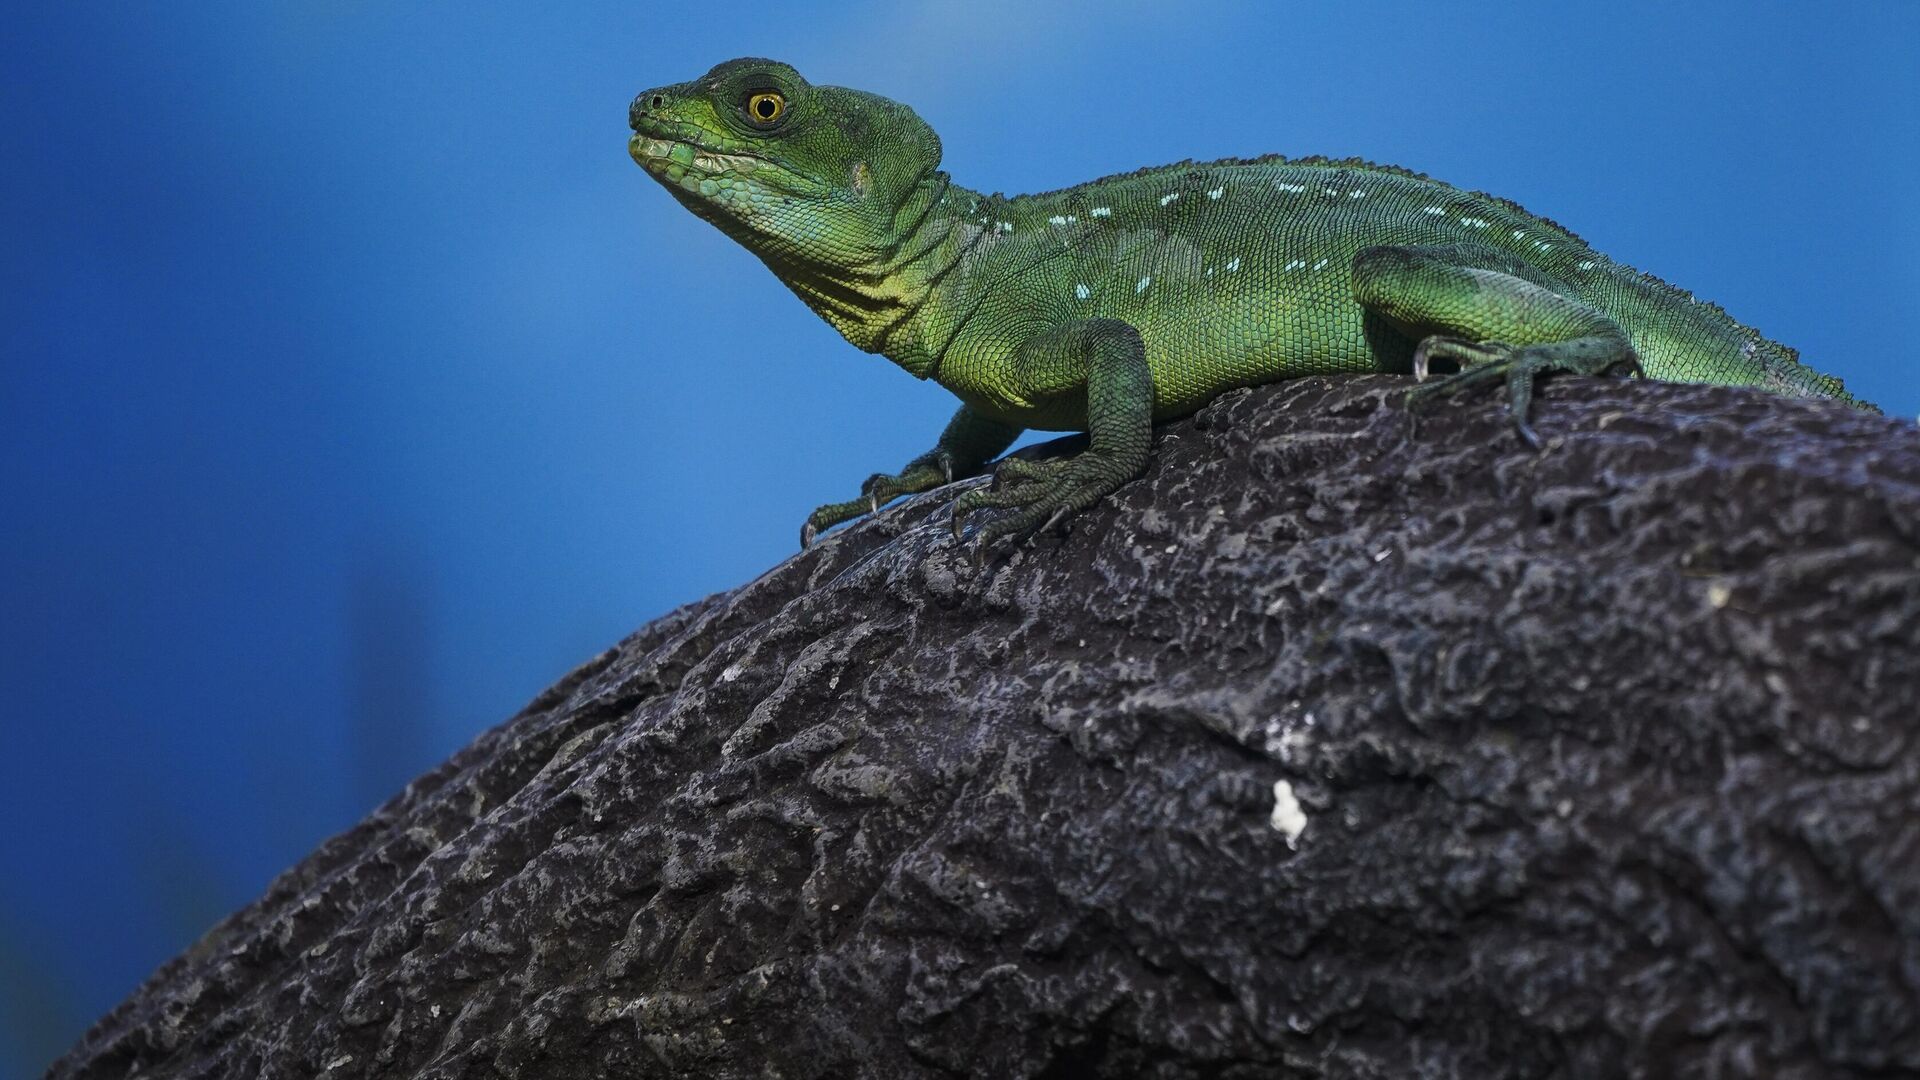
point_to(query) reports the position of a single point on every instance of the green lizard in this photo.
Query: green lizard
(1107, 306)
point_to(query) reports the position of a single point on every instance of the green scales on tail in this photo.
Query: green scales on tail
(1105, 307)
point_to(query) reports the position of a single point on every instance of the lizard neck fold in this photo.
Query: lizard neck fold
(871, 298)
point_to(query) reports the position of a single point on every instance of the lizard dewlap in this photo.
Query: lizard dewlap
(1140, 297)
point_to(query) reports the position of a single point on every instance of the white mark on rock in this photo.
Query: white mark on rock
(1381, 556)
(344, 1059)
(1718, 594)
(1082, 291)
(1169, 197)
(1216, 193)
(1288, 818)
(731, 673)
(1141, 285)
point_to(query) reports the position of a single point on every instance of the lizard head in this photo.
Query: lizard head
(800, 174)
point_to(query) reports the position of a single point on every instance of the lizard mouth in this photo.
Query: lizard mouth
(672, 152)
(717, 183)
(662, 155)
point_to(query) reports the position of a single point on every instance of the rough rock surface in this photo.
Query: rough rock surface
(1327, 748)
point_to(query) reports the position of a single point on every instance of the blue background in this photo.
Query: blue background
(354, 384)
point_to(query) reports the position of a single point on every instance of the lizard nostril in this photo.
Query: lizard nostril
(639, 109)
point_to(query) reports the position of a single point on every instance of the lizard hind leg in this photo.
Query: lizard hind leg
(1498, 318)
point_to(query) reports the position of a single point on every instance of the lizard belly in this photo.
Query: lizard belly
(1221, 340)
(1198, 347)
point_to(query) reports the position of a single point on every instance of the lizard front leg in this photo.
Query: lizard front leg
(1471, 306)
(1105, 360)
(969, 442)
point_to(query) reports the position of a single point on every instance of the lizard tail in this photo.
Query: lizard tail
(1783, 373)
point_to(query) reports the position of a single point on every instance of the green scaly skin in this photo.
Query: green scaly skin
(1137, 298)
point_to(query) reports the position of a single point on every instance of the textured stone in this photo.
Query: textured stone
(1597, 761)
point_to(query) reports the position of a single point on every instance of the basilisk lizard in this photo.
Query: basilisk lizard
(1140, 297)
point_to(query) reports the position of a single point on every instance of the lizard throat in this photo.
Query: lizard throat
(873, 303)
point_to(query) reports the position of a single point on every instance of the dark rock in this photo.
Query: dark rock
(1605, 757)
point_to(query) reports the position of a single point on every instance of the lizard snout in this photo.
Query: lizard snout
(649, 101)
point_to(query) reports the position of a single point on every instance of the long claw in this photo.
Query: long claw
(1527, 434)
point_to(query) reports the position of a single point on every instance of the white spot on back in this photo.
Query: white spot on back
(1234, 264)
(1216, 193)
(1518, 233)
(1321, 265)
(1436, 210)
(1356, 193)
(1141, 286)
(1474, 222)
(1294, 264)
(1082, 291)
(1295, 188)
(1585, 264)
(1056, 220)
(1101, 211)
(1169, 197)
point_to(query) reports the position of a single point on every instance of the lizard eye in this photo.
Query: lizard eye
(765, 107)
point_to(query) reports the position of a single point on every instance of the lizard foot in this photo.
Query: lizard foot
(922, 474)
(1488, 361)
(1038, 494)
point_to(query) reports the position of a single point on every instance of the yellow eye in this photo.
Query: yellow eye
(765, 106)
